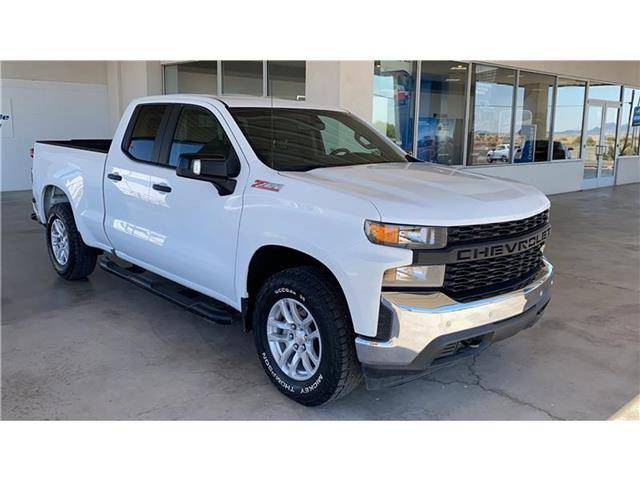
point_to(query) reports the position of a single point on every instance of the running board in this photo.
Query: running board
(193, 301)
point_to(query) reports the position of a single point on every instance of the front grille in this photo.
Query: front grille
(468, 281)
(494, 231)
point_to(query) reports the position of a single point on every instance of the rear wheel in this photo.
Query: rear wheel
(71, 258)
(304, 336)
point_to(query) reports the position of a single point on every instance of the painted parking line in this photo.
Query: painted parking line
(631, 411)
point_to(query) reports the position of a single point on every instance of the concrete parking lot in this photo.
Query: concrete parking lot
(104, 349)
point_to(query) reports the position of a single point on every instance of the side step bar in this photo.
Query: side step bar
(193, 301)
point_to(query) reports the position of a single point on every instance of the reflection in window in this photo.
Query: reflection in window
(532, 129)
(242, 77)
(604, 91)
(286, 79)
(567, 128)
(143, 137)
(490, 122)
(198, 131)
(441, 112)
(191, 77)
(629, 135)
(394, 84)
(296, 139)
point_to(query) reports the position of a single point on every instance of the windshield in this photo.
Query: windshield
(303, 139)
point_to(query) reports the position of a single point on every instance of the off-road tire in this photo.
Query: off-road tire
(339, 371)
(82, 258)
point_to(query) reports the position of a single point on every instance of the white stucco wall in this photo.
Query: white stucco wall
(129, 80)
(550, 177)
(344, 84)
(46, 110)
(628, 170)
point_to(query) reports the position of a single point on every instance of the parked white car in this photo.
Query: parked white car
(304, 225)
(499, 154)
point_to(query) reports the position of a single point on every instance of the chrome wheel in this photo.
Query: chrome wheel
(59, 242)
(294, 339)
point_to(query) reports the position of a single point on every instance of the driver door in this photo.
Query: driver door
(198, 226)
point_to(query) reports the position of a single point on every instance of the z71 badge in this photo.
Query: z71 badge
(264, 185)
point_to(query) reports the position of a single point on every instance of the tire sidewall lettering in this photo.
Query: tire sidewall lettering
(298, 387)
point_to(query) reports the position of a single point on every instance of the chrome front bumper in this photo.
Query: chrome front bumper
(422, 320)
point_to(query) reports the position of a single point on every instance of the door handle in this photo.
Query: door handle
(114, 176)
(161, 188)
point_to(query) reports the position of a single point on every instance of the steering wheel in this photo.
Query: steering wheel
(340, 151)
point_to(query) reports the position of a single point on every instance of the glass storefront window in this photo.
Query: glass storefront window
(532, 129)
(242, 77)
(567, 127)
(491, 114)
(629, 141)
(443, 88)
(394, 84)
(191, 77)
(286, 79)
(604, 91)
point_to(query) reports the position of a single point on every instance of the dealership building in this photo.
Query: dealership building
(561, 126)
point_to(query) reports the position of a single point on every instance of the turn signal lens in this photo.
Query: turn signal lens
(414, 276)
(407, 236)
(381, 233)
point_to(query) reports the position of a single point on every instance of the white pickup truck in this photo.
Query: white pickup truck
(344, 256)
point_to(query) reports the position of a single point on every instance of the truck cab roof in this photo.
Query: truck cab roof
(240, 101)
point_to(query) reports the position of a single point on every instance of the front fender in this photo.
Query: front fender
(333, 234)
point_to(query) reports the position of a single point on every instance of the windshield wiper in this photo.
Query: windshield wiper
(413, 159)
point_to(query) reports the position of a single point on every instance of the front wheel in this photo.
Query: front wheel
(304, 336)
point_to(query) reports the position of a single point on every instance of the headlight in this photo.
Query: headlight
(406, 236)
(414, 276)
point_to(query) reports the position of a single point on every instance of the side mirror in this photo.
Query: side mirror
(214, 168)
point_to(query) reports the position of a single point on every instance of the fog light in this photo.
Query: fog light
(414, 276)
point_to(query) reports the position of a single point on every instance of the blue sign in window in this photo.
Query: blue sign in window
(636, 117)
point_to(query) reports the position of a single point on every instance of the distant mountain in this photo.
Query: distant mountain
(608, 128)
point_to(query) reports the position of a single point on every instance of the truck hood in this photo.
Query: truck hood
(428, 194)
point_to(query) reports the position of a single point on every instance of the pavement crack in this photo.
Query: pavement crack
(477, 382)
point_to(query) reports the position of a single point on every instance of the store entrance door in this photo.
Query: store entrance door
(599, 144)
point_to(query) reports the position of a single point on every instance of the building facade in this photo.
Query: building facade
(562, 126)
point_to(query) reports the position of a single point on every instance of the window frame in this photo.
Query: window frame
(170, 131)
(636, 137)
(466, 109)
(160, 134)
(219, 73)
(467, 145)
(415, 64)
(468, 140)
(584, 112)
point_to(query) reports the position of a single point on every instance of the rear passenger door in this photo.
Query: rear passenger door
(127, 184)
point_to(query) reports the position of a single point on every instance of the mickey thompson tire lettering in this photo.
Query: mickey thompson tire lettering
(339, 371)
(286, 385)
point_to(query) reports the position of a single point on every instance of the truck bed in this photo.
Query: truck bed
(77, 168)
(93, 145)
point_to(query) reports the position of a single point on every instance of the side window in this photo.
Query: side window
(198, 131)
(144, 135)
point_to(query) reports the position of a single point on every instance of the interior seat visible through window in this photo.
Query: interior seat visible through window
(198, 131)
